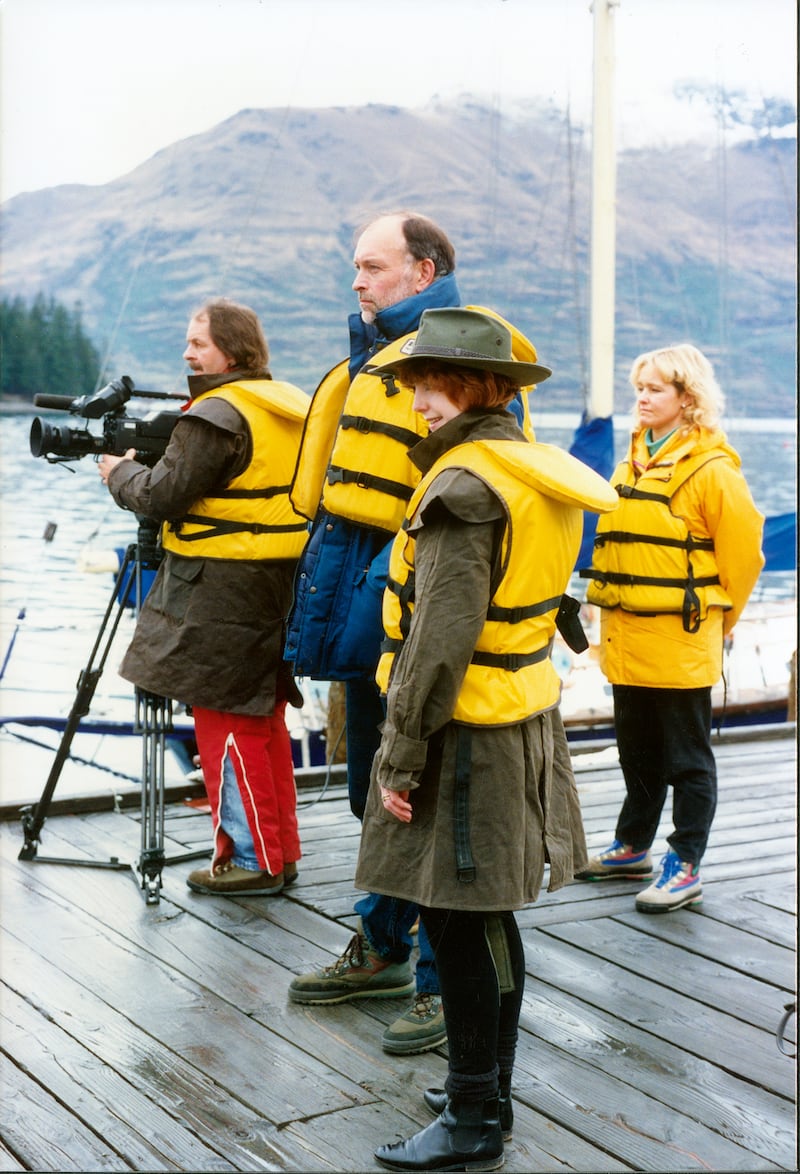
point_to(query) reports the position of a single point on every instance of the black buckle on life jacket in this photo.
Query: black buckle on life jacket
(389, 385)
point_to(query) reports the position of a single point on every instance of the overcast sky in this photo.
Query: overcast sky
(92, 88)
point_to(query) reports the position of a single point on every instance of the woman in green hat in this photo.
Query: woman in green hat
(472, 789)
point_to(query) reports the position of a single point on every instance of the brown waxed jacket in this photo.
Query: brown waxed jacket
(210, 632)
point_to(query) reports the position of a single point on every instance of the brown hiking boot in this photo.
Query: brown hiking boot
(228, 880)
(360, 973)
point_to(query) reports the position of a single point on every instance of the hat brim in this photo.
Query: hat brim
(523, 374)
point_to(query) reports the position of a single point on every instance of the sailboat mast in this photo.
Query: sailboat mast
(603, 231)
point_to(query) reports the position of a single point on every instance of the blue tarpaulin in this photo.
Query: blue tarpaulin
(780, 542)
(593, 443)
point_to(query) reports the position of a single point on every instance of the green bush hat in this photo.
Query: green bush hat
(465, 338)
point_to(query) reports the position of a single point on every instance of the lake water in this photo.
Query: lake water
(52, 608)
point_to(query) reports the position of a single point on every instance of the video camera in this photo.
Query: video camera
(149, 436)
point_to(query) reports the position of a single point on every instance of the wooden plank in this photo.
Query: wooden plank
(34, 1125)
(9, 1163)
(187, 1017)
(351, 1137)
(616, 1070)
(206, 1097)
(108, 1105)
(607, 898)
(578, 1064)
(753, 980)
(732, 913)
(643, 1001)
(258, 988)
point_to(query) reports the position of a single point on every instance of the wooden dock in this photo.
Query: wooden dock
(159, 1037)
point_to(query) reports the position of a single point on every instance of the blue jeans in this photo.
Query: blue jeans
(234, 821)
(385, 921)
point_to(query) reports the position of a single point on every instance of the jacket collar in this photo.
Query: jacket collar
(367, 338)
(200, 384)
(678, 448)
(479, 424)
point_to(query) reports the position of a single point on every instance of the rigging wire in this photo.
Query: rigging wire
(47, 537)
(257, 190)
(328, 773)
(572, 237)
(495, 139)
(123, 305)
(78, 759)
(723, 301)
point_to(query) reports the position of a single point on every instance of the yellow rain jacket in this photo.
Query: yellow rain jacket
(675, 562)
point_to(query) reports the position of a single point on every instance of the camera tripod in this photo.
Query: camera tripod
(153, 721)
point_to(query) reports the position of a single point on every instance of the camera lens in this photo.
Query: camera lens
(43, 438)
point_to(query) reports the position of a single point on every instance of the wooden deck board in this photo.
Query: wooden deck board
(160, 1037)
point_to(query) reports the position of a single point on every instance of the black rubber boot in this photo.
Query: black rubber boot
(436, 1099)
(465, 1136)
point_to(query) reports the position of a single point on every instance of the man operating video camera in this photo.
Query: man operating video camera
(210, 632)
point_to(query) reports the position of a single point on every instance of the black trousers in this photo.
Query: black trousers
(664, 740)
(364, 715)
(481, 966)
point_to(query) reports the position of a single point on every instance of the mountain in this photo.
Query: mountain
(263, 208)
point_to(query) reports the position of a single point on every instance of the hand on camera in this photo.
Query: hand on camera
(108, 461)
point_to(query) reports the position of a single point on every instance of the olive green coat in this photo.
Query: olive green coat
(523, 807)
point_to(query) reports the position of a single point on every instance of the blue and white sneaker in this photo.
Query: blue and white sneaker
(619, 860)
(679, 885)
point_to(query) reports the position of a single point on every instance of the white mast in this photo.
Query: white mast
(603, 236)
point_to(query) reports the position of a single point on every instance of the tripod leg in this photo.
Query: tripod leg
(154, 722)
(33, 817)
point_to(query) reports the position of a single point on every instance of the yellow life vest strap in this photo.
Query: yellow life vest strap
(515, 615)
(365, 425)
(270, 491)
(690, 609)
(217, 527)
(512, 661)
(339, 476)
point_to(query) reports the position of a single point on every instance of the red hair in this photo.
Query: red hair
(466, 387)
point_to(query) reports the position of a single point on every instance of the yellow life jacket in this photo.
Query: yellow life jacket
(543, 490)
(252, 518)
(645, 559)
(354, 455)
(369, 478)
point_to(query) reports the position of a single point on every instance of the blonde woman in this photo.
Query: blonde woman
(672, 569)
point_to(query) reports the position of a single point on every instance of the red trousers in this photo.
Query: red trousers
(260, 751)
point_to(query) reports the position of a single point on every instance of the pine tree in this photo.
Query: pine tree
(44, 348)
